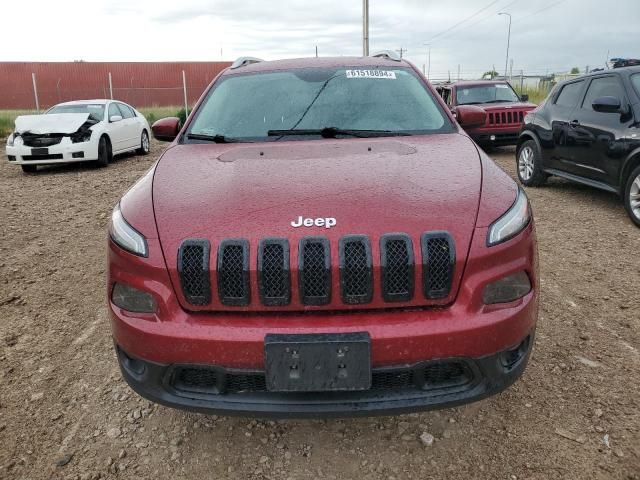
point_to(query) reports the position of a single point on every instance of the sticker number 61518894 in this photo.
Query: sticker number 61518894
(388, 74)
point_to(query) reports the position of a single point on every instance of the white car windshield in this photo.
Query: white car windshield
(95, 110)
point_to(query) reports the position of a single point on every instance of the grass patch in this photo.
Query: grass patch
(7, 117)
(156, 113)
(536, 94)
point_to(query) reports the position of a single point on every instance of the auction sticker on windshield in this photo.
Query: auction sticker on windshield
(371, 74)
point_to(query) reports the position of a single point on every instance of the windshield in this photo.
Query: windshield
(251, 107)
(494, 93)
(95, 110)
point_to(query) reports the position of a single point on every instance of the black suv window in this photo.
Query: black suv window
(126, 111)
(603, 87)
(569, 95)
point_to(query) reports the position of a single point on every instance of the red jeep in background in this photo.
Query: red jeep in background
(505, 109)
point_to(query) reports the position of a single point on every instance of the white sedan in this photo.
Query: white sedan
(79, 131)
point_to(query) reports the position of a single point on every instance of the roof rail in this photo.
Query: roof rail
(244, 61)
(388, 54)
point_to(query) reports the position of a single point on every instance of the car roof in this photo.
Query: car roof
(313, 62)
(87, 102)
(477, 83)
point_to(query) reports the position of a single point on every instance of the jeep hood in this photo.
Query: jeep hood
(370, 186)
(61, 123)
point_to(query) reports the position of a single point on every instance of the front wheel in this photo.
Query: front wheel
(529, 163)
(29, 168)
(104, 152)
(145, 145)
(632, 196)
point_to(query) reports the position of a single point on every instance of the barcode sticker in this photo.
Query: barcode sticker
(371, 74)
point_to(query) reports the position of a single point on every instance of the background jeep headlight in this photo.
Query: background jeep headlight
(132, 299)
(512, 222)
(125, 236)
(507, 289)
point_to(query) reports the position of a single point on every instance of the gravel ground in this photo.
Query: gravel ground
(66, 413)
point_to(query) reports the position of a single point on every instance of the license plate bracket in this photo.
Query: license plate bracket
(39, 151)
(318, 362)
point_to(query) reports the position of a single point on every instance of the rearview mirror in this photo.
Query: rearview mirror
(470, 116)
(115, 118)
(166, 129)
(524, 97)
(607, 105)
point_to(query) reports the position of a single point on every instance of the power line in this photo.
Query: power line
(462, 21)
(539, 11)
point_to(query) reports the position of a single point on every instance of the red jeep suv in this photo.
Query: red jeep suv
(505, 109)
(322, 238)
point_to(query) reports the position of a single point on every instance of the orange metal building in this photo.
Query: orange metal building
(142, 84)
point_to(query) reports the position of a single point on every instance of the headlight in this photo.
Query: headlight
(125, 236)
(81, 136)
(132, 299)
(10, 141)
(512, 222)
(507, 289)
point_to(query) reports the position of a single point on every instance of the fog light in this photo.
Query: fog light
(132, 299)
(507, 289)
(493, 138)
(77, 155)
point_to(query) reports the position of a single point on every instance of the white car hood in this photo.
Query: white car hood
(51, 123)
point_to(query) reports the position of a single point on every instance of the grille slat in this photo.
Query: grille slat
(438, 260)
(193, 269)
(397, 266)
(356, 276)
(274, 279)
(314, 266)
(233, 272)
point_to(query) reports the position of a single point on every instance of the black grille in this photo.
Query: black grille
(193, 268)
(314, 266)
(41, 141)
(431, 376)
(356, 278)
(397, 267)
(52, 156)
(233, 272)
(274, 279)
(438, 260)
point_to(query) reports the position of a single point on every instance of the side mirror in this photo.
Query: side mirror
(524, 97)
(470, 116)
(115, 118)
(607, 105)
(166, 129)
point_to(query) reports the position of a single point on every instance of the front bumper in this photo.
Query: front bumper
(427, 385)
(495, 137)
(64, 152)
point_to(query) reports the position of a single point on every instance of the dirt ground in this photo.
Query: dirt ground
(66, 413)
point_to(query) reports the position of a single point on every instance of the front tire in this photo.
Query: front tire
(104, 152)
(529, 165)
(632, 196)
(145, 144)
(29, 168)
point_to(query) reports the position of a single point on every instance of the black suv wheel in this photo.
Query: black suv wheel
(529, 165)
(632, 196)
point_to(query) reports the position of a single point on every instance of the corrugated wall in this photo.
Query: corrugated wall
(142, 84)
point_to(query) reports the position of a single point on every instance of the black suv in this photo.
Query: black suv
(588, 131)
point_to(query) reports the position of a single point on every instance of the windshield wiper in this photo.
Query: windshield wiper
(500, 101)
(212, 138)
(332, 132)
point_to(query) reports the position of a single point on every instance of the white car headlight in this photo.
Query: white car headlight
(125, 236)
(512, 222)
(10, 141)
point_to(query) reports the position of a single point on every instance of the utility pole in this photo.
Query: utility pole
(428, 59)
(458, 72)
(401, 51)
(506, 61)
(316, 51)
(365, 28)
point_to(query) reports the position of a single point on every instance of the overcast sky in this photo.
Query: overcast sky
(546, 35)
